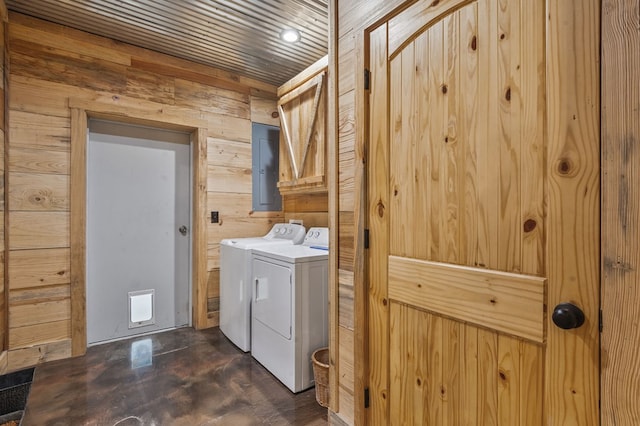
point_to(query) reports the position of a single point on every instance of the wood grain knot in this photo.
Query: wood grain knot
(115, 97)
(529, 225)
(493, 300)
(443, 390)
(446, 139)
(564, 166)
(502, 36)
(384, 302)
(434, 3)
(275, 114)
(395, 192)
(474, 43)
(380, 209)
(445, 89)
(507, 94)
(503, 376)
(418, 382)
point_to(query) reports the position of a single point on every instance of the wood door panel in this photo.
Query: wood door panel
(506, 302)
(473, 165)
(444, 372)
(467, 134)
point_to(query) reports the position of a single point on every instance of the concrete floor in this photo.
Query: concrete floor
(179, 377)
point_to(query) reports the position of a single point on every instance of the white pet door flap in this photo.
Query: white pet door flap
(141, 308)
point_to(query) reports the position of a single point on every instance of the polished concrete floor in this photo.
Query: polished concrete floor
(179, 377)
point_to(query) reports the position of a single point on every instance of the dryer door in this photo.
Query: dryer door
(272, 296)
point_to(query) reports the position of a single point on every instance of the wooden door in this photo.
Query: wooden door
(483, 191)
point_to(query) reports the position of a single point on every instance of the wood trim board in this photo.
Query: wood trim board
(163, 119)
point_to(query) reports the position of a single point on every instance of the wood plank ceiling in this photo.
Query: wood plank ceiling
(240, 36)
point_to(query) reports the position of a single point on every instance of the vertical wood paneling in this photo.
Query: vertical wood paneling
(469, 376)
(360, 209)
(528, 71)
(199, 236)
(4, 149)
(401, 80)
(531, 383)
(467, 130)
(78, 214)
(620, 388)
(430, 408)
(379, 206)
(453, 363)
(436, 110)
(421, 161)
(573, 224)
(508, 134)
(488, 171)
(443, 372)
(487, 390)
(333, 205)
(509, 379)
(452, 162)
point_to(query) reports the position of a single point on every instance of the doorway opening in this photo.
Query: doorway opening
(138, 230)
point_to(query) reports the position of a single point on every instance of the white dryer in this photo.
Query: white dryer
(289, 314)
(236, 278)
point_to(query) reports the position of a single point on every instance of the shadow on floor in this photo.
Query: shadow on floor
(179, 377)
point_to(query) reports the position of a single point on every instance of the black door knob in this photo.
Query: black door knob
(567, 316)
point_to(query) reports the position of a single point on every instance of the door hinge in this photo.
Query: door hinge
(366, 397)
(600, 325)
(367, 78)
(366, 238)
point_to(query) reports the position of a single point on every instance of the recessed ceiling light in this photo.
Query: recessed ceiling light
(290, 35)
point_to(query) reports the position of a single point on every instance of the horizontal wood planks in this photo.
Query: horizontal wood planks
(486, 298)
(55, 68)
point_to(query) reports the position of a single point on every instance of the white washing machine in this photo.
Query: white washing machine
(289, 313)
(236, 278)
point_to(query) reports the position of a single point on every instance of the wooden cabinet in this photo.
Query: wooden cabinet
(302, 106)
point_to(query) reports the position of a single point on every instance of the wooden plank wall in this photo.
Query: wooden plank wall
(49, 65)
(620, 386)
(229, 193)
(312, 209)
(354, 16)
(3, 140)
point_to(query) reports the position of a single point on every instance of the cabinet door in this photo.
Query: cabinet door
(302, 153)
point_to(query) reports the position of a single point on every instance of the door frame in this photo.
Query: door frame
(573, 117)
(81, 110)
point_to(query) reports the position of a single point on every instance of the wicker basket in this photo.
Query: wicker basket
(320, 360)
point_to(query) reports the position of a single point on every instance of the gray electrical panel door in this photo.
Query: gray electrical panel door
(264, 150)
